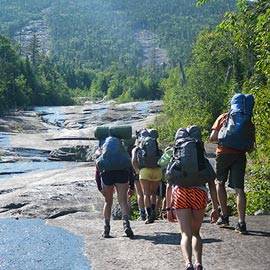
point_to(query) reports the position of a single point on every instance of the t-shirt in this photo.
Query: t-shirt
(222, 149)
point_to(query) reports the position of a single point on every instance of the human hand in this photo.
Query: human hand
(214, 215)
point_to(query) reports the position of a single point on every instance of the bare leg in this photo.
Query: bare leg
(107, 192)
(140, 200)
(139, 192)
(146, 188)
(184, 217)
(222, 197)
(123, 198)
(122, 190)
(241, 204)
(154, 197)
(197, 218)
(146, 192)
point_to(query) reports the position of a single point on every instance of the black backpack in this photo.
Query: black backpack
(147, 152)
(189, 166)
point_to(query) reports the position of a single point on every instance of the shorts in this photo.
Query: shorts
(232, 165)
(150, 174)
(189, 198)
(114, 177)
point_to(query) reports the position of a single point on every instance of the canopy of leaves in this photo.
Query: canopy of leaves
(235, 57)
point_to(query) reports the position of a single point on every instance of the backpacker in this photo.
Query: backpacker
(188, 166)
(237, 130)
(114, 156)
(148, 152)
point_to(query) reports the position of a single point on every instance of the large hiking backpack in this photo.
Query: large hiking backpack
(188, 166)
(114, 156)
(237, 130)
(148, 152)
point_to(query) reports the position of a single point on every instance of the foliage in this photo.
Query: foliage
(258, 189)
(91, 40)
(134, 210)
(24, 84)
(234, 57)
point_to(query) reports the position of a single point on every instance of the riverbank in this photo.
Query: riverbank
(68, 198)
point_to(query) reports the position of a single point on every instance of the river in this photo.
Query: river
(31, 244)
(36, 188)
(76, 121)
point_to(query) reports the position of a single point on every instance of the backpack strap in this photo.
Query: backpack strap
(244, 104)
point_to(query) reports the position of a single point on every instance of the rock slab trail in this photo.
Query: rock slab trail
(68, 198)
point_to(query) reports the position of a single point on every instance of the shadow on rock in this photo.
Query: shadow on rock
(161, 238)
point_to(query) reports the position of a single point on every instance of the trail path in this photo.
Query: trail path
(68, 198)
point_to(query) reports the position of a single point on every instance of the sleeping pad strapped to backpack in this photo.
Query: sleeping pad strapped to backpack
(188, 166)
(114, 157)
(147, 152)
(237, 131)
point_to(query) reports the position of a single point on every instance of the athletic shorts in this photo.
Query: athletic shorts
(231, 166)
(189, 198)
(114, 177)
(150, 174)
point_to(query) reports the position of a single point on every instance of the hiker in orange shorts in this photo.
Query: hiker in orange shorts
(186, 194)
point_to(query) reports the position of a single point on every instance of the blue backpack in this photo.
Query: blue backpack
(114, 157)
(237, 131)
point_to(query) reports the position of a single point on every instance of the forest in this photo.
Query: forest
(92, 49)
(234, 57)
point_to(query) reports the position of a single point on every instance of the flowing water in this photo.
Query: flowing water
(31, 244)
(21, 160)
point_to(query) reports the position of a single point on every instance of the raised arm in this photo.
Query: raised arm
(217, 126)
(213, 136)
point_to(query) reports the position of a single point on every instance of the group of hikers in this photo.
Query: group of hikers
(184, 170)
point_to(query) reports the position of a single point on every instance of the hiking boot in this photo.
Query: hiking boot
(189, 266)
(223, 221)
(241, 227)
(128, 231)
(198, 266)
(142, 218)
(150, 219)
(106, 232)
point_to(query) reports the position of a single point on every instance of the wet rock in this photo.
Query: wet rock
(76, 153)
(5, 191)
(63, 213)
(261, 212)
(14, 206)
